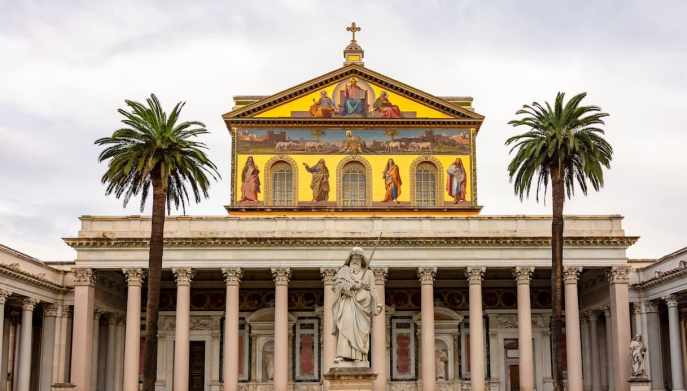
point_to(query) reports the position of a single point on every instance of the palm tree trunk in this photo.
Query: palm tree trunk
(154, 276)
(558, 193)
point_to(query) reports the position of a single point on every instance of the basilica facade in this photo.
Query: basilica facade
(349, 158)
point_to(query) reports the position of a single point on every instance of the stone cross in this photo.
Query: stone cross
(353, 28)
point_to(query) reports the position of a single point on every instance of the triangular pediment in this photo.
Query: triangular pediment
(353, 92)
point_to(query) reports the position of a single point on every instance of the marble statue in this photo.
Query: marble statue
(441, 364)
(353, 308)
(638, 356)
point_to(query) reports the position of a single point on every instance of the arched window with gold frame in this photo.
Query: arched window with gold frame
(426, 185)
(281, 187)
(354, 187)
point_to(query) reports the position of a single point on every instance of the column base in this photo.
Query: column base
(350, 379)
(63, 387)
(640, 384)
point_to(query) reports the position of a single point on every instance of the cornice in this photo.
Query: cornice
(662, 277)
(15, 272)
(286, 122)
(263, 242)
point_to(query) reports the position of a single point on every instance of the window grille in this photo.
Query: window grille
(282, 184)
(354, 185)
(426, 185)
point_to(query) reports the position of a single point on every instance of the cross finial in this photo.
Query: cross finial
(353, 28)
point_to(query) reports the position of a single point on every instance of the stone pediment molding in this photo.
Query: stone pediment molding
(14, 271)
(459, 114)
(663, 276)
(264, 242)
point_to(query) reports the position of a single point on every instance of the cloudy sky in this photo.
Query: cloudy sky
(66, 67)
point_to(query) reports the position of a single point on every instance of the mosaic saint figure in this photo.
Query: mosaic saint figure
(251, 181)
(353, 99)
(456, 181)
(384, 108)
(353, 308)
(319, 183)
(392, 181)
(323, 107)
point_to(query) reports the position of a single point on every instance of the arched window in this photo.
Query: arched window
(426, 184)
(353, 185)
(282, 184)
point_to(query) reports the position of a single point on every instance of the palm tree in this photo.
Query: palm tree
(391, 133)
(155, 149)
(564, 145)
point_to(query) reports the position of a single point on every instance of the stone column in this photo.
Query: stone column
(110, 373)
(4, 294)
(61, 374)
(603, 355)
(47, 346)
(96, 349)
(24, 375)
(328, 339)
(572, 329)
(620, 320)
(522, 277)
(586, 351)
(595, 363)
(132, 345)
(183, 278)
(426, 276)
(609, 346)
(84, 307)
(281, 328)
(232, 279)
(379, 353)
(119, 354)
(475, 276)
(653, 346)
(676, 364)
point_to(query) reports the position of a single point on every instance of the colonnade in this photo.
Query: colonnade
(617, 349)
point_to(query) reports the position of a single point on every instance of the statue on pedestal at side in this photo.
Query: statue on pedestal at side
(354, 305)
(638, 356)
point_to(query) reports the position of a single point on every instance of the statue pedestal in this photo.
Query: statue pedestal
(350, 378)
(640, 384)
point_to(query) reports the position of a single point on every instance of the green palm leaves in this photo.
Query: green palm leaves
(565, 137)
(155, 146)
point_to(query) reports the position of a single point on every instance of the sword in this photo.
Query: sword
(369, 261)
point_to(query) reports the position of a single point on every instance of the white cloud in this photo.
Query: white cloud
(70, 65)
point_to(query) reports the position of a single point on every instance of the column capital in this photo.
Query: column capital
(571, 274)
(328, 274)
(29, 303)
(281, 275)
(475, 274)
(84, 276)
(606, 310)
(523, 274)
(67, 311)
(619, 275)
(134, 276)
(648, 306)
(232, 275)
(51, 310)
(426, 275)
(183, 275)
(381, 273)
(4, 294)
(671, 301)
(594, 315)
(97, 314)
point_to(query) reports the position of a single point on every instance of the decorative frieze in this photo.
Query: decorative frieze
(84, 277)
(475, 275)
(523, 275)
(183, 276)
(571, 274)
(232, 275)
(281, 276)
(403, 242)
(134, 277)
(426, 275)
(619, 275)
